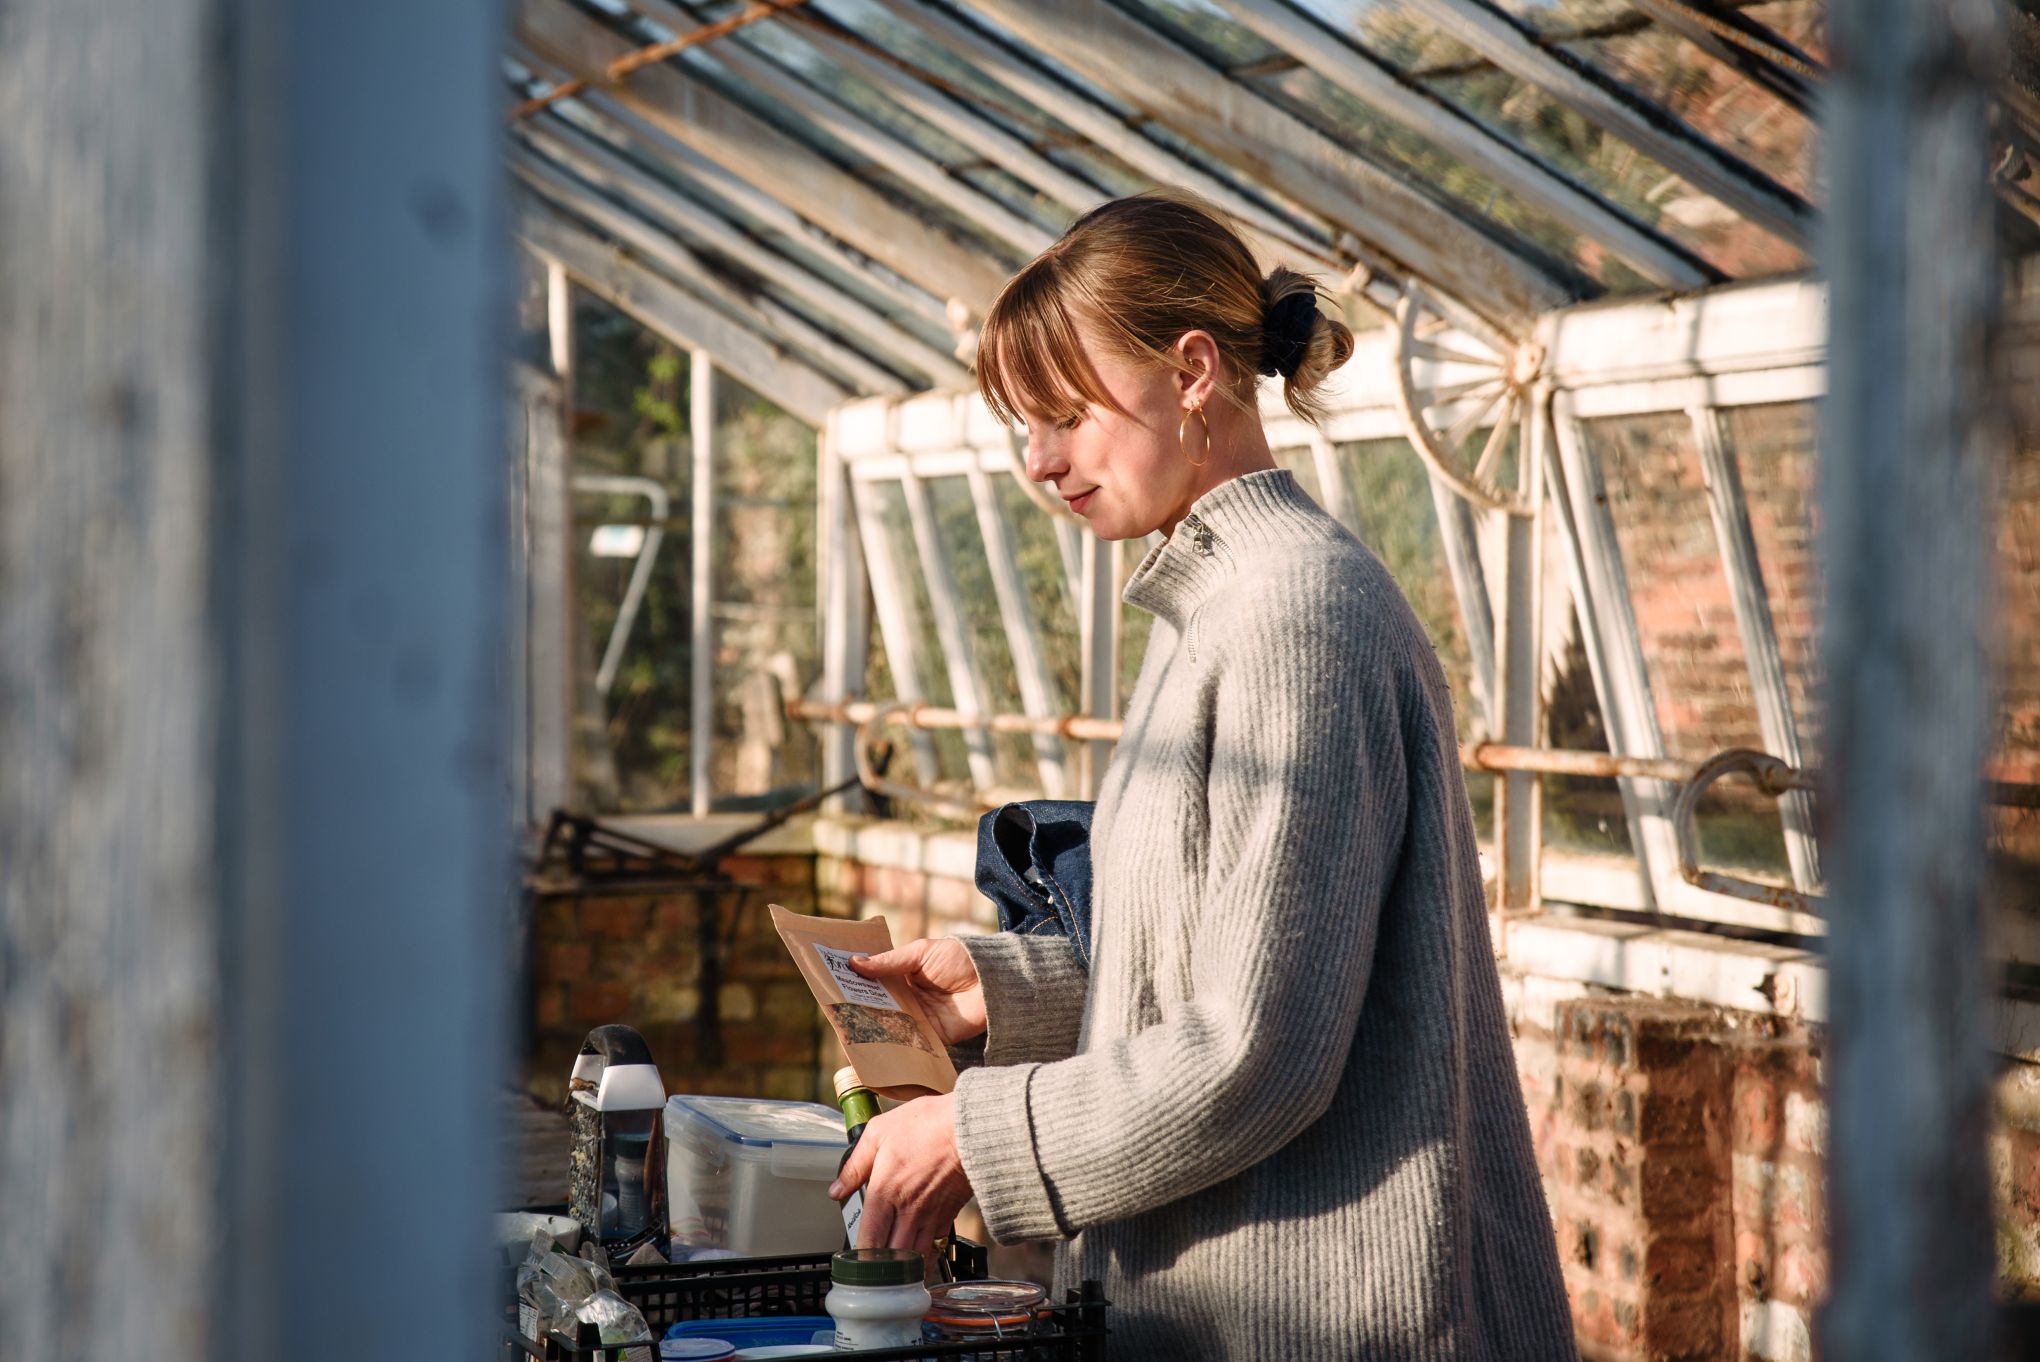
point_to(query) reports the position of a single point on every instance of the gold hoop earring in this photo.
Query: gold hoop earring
(1183, 426)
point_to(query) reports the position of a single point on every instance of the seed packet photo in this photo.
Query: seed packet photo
(882, 1028)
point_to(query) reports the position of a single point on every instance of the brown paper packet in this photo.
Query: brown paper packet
(883, 1031)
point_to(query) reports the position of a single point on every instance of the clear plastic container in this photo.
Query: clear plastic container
(984, 1311)
(752, 1176)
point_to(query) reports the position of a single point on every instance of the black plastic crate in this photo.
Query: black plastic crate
(739, 1288)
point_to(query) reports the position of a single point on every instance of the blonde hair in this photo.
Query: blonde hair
(1139, 273)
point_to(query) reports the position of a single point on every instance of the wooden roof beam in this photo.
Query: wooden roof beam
(1273, 235)
(1328, 53)
(677, 315)
(695, 115)
(850, 127)
(1174, 85)
(615, 175)
(1650, 129)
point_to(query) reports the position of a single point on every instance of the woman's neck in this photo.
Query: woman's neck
(1238, 446)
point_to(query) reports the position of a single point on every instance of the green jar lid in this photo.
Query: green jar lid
(877, 1267)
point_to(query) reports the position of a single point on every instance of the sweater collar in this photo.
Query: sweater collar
(1227, 526)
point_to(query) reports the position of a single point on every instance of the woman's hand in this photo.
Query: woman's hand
(913, 1178)
(942, 976)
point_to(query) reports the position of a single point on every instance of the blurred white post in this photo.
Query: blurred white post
(254, 873)
(1911, 444)
(701, 682)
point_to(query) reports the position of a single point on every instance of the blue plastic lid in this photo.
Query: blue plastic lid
(696, 1350)
(760, 1331)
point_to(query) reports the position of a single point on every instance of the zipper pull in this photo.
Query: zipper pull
(1201, 536)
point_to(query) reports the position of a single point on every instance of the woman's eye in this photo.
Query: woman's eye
(1070, 422)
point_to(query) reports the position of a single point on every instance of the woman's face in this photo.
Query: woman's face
(1126, 474)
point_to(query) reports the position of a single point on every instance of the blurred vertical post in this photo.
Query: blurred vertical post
(1908, 456)
(253, 813)
(701, 672)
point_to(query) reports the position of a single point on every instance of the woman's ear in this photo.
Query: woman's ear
(1198, 375)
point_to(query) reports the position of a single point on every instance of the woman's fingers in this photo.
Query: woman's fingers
(856, 1169)
(875, 1230)
(890, 964)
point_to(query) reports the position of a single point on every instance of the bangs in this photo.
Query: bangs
(1031, 355)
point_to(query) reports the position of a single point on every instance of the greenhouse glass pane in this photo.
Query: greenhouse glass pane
(1414, 159)
(1390, 493)
(767, 650)
(964, 546)
(1685, 620)
(1581, 813)
(1773, 448)
(1016, 195)
(1050, 601)
(1205, 29)
(1569, 143)
(1721, 104)
(630, 398)
(929, 663)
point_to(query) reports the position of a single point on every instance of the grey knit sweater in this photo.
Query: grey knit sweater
(1280, 1119)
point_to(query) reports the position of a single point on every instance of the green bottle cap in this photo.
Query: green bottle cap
(877, 1267)
(859, 1103)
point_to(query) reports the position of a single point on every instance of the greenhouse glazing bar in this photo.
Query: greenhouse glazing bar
(1329, 54)
(692, 113)
(781, 328)
(1245, 130)
(607, 170)
(1281, 236)
(857, 132)
(1652, 131)
(671, 312)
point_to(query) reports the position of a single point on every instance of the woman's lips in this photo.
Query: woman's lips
(1078, 503)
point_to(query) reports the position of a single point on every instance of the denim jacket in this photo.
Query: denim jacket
(1034, 863)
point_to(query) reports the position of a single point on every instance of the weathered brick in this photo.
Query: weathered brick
(566, 961)
(1758, 1127)
(550, 1006)
(950, 898)
(600, 1003)
(668, 1000)
(621, 919)
(747, 869)
(555, 917)
(1683, 1328)
(1677, 1182)
(1680, 1264)
(1806, 1123)
(1800, 1274)
(1672, 1119)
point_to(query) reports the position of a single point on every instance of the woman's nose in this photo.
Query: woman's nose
(1045, 461)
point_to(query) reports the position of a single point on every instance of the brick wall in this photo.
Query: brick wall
(1682, 1146)
(724, 1012)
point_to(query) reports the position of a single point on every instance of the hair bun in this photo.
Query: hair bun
(1285, 332)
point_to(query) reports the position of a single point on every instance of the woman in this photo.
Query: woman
(1280, 1116)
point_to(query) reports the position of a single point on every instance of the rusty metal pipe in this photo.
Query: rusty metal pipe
(1771, 775)
(1774, 778)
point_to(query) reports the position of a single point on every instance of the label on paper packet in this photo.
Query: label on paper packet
(856, 988)
(884, 1032)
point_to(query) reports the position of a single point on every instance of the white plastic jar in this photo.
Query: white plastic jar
(877, 1297)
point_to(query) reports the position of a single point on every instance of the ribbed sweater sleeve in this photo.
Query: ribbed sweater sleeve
(1307, 803)
(1034, 996)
